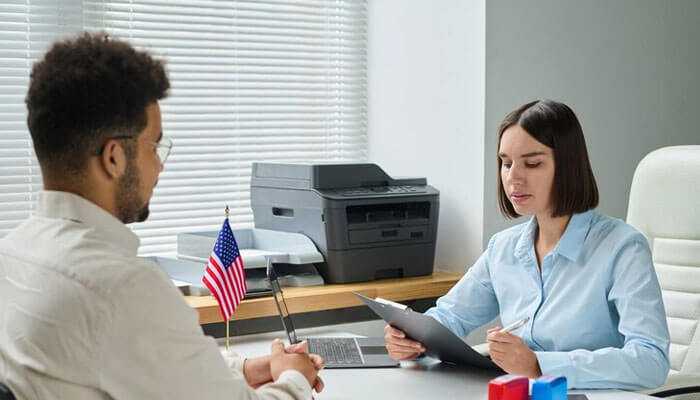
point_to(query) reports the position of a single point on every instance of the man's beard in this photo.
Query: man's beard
(130, 206)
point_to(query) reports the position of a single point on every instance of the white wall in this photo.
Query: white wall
(426, 109)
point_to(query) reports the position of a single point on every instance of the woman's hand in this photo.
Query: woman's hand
(511, 354)
(399, 347)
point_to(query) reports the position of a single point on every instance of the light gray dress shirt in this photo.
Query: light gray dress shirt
(81, 317)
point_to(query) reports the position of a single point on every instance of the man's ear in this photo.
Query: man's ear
(113, 159)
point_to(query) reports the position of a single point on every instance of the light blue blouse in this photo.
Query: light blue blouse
(596, 313)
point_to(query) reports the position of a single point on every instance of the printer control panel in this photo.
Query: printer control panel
(378, 190)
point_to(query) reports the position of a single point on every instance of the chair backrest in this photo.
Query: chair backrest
(665, 205)
(5, 393)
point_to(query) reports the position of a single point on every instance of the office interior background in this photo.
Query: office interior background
(418, 87)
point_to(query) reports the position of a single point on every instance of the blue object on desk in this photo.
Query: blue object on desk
(549, 388)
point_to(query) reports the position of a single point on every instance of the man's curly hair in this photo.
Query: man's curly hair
(85, 90)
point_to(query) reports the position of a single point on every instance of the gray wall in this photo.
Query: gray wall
(629, 68)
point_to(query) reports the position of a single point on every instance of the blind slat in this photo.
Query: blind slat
(270, 80)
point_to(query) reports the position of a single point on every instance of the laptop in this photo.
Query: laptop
(337, 352)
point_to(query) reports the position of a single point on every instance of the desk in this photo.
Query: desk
(428, 379)
(329, 297)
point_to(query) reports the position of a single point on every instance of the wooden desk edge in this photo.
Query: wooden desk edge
(329, 297)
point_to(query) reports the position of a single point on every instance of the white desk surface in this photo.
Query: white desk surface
(423, 380)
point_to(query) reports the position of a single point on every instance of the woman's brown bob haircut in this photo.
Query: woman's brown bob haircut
(555, 125)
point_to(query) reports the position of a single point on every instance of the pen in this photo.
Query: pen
(515, 325)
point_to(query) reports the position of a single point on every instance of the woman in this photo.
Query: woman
(585, 280)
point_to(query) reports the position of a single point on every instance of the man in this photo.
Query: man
(81, 316)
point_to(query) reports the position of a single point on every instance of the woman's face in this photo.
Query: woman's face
(527, 172)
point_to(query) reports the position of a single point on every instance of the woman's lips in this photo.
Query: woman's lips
(519, 198)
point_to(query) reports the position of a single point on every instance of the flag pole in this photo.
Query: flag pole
(227, 336)
(226, 210)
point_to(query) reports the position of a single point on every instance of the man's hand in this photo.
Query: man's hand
(399, 347)
(303, 348)
(281, 361)
(257, 370)
(511, 354)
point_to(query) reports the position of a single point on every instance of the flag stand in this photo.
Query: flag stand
(227, 320)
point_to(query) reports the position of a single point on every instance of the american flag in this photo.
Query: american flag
(224, 275)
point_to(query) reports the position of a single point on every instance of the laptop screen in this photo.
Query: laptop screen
(281, 305)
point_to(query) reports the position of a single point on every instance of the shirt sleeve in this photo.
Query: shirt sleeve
(233, 360)
(152, 347)
(642, 362)
(471, 303)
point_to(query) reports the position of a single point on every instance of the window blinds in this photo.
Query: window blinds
(251, 81)
(26, 29)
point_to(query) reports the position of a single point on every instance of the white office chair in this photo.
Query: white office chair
(665, 206)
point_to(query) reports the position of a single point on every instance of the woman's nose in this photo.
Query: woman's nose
(515, 173)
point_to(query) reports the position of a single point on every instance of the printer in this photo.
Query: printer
(293, 254)
(366, 224)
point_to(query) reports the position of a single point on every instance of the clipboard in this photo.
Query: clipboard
(439, 341)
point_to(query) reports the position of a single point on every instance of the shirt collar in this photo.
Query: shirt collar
(69, 206)
(571, 242)
(569, 245)
(526, 242)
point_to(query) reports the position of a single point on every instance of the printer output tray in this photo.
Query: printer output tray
(439, 341)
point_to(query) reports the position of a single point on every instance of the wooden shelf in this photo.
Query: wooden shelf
(329, 297)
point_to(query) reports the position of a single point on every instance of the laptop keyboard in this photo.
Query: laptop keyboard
(339, 351)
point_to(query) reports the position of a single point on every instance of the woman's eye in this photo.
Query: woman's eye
(506, 165)
(533, 165)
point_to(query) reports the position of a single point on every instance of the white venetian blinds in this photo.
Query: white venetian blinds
(27, 27)
(251, 81)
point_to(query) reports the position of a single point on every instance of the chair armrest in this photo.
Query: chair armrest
(5, 393)
(677, 384)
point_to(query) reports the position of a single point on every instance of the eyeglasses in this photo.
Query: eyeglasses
(162, 148)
